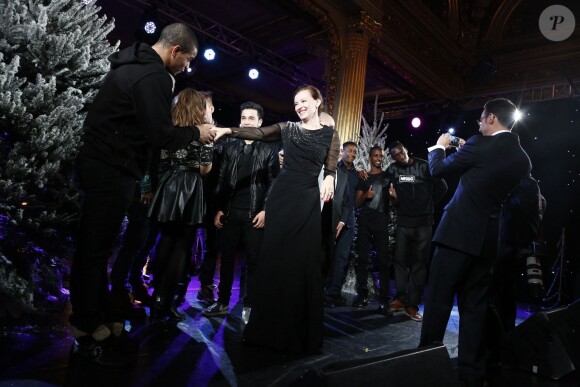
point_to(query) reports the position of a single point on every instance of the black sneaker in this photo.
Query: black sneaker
(360, 301)
(334, 300)
(216, 309)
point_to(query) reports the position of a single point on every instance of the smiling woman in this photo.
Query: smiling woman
(288, 309)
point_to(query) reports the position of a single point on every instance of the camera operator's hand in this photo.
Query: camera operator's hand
(444, 140)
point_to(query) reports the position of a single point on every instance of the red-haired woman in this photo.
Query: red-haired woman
(287, 313)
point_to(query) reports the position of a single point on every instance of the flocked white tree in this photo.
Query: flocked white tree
(53, 56)
(371, 136)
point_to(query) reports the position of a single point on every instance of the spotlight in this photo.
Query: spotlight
(191, 69)
(209, 54)
(416, 122)
(253, 74)
(451, 131)
(150, 27)
(518, 115)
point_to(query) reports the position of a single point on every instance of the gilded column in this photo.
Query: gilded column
(352, 84)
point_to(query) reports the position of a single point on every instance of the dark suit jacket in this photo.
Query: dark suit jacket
(340, 203)
(490, 167)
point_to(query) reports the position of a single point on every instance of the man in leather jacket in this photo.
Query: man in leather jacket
(246, 175)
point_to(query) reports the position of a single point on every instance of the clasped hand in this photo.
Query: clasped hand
(219, 132)
(206, 136)
(209, 133)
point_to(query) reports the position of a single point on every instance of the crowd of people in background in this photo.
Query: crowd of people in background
(283, 192)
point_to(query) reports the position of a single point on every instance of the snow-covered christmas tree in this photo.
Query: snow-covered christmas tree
(53, 56)
(371, 136)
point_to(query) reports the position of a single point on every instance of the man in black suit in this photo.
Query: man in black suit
(343, 222)
(490, 165)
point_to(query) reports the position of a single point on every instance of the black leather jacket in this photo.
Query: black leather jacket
(265, 168)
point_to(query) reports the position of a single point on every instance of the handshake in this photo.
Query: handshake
(209, 133)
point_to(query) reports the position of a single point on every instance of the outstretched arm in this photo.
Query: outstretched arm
(270, 133)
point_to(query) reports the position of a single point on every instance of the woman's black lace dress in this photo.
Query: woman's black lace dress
(288, 310)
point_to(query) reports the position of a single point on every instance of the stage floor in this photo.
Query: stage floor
(204, 351)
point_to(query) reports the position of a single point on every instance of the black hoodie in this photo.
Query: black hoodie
(130, 118)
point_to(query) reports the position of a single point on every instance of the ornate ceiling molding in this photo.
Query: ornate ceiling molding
(422, 54)
(500, 19)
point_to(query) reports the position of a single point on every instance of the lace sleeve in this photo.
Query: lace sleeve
(332, 155)
(270, 133)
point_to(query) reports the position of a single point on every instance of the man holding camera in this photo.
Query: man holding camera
(246, 175)
(491, 166)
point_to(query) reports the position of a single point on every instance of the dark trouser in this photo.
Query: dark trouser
(373, 228)
(133, 242)
(469, 276)
(502, 290)
(328, 239)
(210, 248)
(502, 303)
(106, 195)
(238, 227)
(173, 251)
(413, 245)
(139, 261)
(338, 267)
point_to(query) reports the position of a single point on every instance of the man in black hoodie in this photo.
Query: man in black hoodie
(126, 125)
